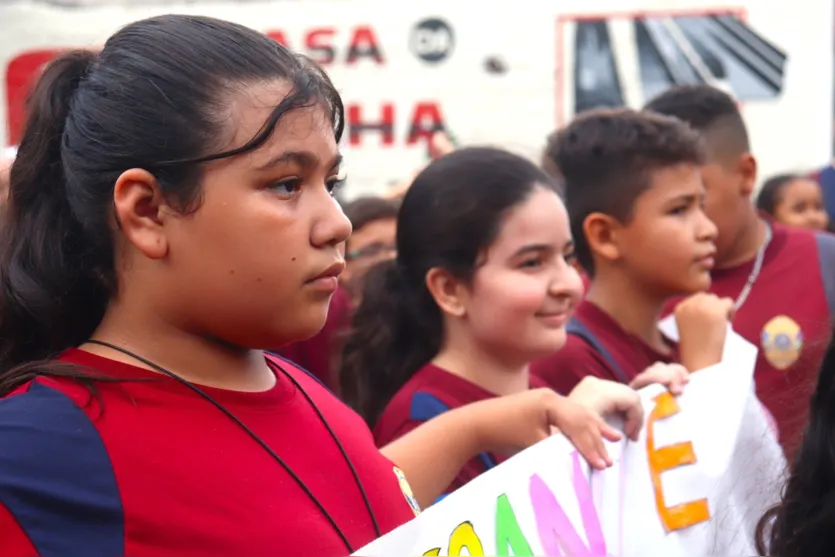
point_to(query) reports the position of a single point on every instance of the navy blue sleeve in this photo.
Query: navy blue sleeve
(826, 178)
(826, 258)
(56, 478)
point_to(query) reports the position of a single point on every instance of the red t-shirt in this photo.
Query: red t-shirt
(158, 471)
(319, 354)
(403, 413)
(788, 317)
(578, 359)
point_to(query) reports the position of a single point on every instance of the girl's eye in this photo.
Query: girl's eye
(530, 264)
(288, 187)
(334, 184)
(570, 258)
(679, 210)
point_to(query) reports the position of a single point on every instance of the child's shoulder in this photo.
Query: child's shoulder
(577, 359)
(43, 405)
(51, 451)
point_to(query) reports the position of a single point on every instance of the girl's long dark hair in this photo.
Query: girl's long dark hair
(803, 523)
(153, 98)
(449, 217)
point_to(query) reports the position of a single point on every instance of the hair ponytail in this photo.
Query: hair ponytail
(395, 331)
(51, 294)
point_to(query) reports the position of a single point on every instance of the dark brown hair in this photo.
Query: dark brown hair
(711, 112)
(607, 158)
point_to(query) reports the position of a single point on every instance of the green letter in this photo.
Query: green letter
(508, 534)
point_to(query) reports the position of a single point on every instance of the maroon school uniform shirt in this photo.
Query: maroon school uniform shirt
(578, 358)
(410, 405)
(158, 471)
(787, 316)
(318, 354)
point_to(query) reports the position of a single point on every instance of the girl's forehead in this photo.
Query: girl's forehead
(303, 136)
(250, 107)
(799, 187)
(541, 220)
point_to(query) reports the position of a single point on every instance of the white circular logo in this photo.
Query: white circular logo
(432, 40)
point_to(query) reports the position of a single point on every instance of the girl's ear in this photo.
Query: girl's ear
(447, 291)
(141, 211)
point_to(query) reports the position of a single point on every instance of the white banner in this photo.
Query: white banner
(505, 73)
(705, 468)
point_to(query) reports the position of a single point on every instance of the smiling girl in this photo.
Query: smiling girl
(483, 284)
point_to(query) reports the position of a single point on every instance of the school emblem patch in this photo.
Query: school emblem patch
(782, 341)
(407, 490)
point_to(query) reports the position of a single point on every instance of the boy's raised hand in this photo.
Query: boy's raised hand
(702, 321)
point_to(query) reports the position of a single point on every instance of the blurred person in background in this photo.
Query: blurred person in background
(794, 200)
(373, 240)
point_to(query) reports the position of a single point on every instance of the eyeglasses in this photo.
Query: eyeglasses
(373, 250)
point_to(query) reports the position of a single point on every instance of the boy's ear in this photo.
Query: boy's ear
(747, 166)
(601, 232)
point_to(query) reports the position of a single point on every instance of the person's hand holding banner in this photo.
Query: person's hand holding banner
(519, 421)
(672, 376)
(704, 468)
(609, 398)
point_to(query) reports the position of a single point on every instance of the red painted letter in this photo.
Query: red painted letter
(364, 44)
(319, 43)
(426, 120)
(385, 125)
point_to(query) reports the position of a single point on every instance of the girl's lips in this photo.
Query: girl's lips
(325, 284)
(556, 319)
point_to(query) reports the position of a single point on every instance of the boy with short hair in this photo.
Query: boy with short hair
(782, 280)
(634, 196)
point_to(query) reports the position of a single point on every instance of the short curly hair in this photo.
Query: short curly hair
(607, 158)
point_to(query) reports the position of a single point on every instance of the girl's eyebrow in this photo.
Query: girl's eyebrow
(305, 159)
(531, 248)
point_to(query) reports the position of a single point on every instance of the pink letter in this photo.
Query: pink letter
(556, 532)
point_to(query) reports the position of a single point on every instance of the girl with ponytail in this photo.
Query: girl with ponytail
(482, 285)
(170, 217)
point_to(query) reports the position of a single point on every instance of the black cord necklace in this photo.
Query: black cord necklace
(263, 444)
